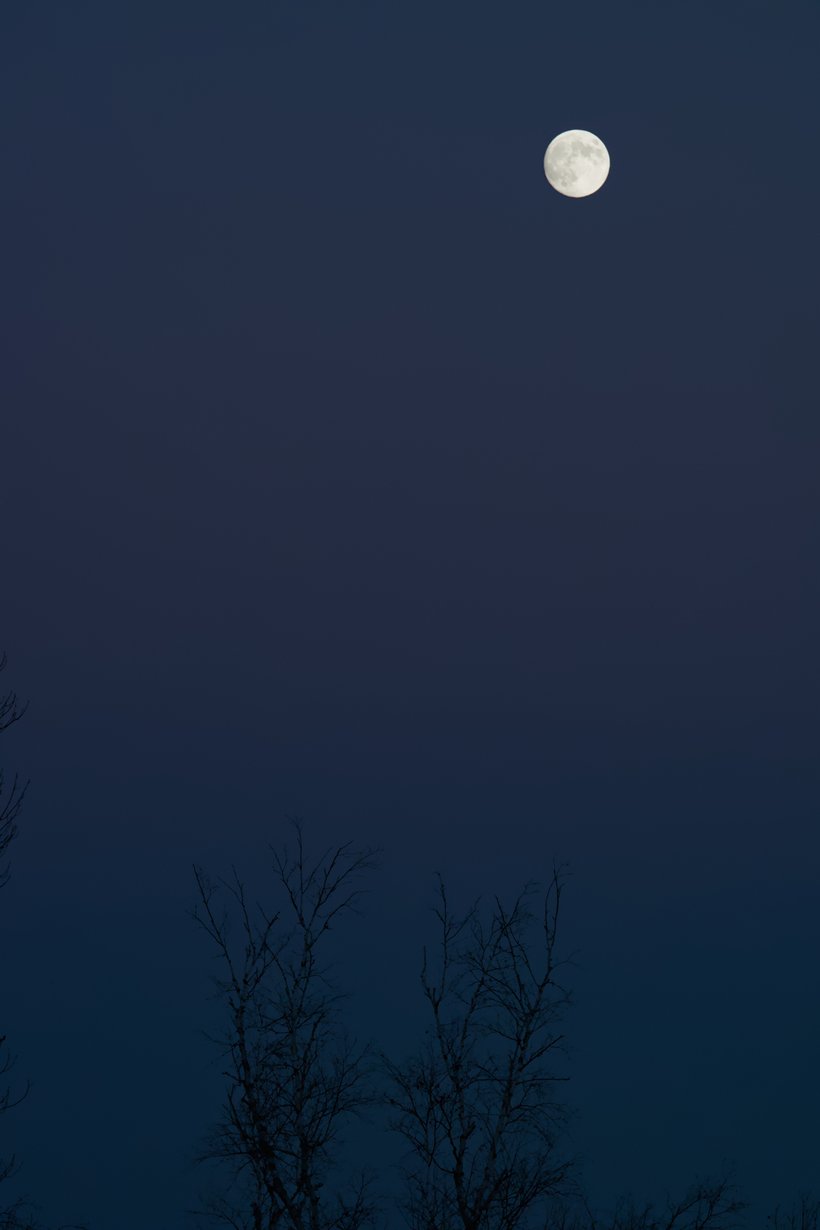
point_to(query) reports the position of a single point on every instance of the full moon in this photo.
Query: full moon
(576, 162)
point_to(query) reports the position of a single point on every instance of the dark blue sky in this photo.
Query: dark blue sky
(350, 472)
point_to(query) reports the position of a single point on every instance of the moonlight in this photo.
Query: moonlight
(576, 163)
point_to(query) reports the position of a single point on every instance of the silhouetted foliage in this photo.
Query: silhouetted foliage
(293, 1074)
(478, 1105)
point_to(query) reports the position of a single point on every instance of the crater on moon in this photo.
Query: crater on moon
(576, 162)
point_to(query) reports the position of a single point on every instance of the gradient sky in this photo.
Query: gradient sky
(350, 472)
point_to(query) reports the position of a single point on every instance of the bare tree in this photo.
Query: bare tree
(709, 1204)
(9, 714)
(804, 1215)
(8, 1168)
(19, 1215)
(477, 1106)
(293, 1074)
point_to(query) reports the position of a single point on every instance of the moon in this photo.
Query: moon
(576, 162)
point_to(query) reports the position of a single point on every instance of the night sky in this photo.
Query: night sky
(349, 472)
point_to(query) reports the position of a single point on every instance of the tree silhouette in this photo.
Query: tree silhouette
(804, 1215)
(11, 1216)
(709, 1204)
(19, 1215)
(9, 714)
(477, 1106)
(293, 1074)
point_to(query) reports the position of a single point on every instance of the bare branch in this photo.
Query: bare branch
(476, 1106)
(293, 1076)
(9, 714)
(709, 1204)
(804, 1215)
